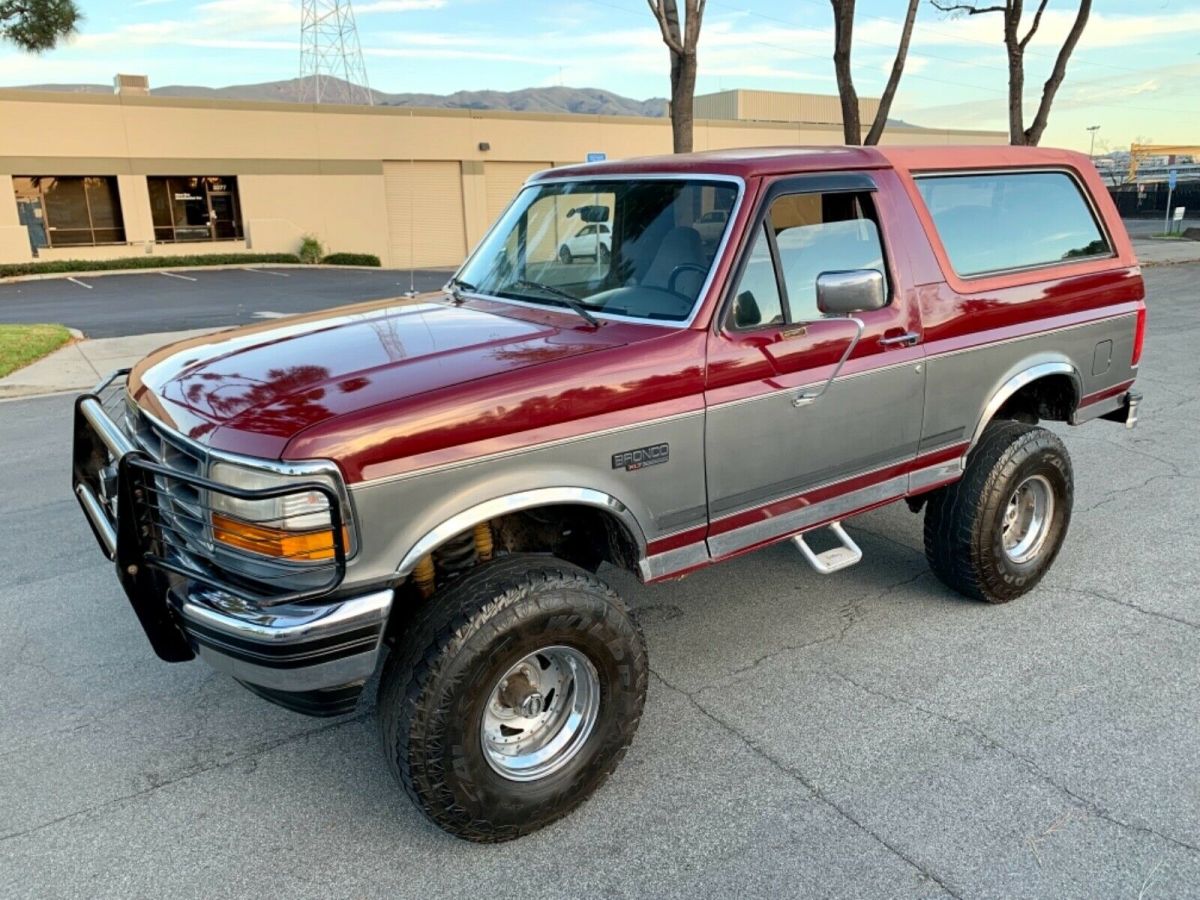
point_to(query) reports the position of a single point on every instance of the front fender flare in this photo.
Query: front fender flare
(510, 503)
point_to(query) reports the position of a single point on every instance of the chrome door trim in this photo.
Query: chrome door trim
(660, 565)
(807, 516)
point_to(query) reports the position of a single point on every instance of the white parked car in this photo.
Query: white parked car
(590, 241)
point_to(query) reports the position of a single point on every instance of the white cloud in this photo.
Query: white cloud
(395, 6)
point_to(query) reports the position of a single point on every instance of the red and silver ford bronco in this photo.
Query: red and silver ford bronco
(769, 342)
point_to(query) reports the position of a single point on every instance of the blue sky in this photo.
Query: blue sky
(1136, 72)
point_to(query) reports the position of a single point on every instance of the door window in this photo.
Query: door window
(810, 234)
(756, 302)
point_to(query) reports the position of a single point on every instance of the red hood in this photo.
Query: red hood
(251, 390)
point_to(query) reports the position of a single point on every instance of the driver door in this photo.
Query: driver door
(776, 461)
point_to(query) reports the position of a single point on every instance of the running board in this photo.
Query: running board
(836, 558)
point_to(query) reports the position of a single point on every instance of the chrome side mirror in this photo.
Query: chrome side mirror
(846, 293)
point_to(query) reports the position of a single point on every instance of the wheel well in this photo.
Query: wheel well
(1051, 397)
(578, 533)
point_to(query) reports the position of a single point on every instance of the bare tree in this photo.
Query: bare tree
(681, 39)
(843, 33)
(1015, 44)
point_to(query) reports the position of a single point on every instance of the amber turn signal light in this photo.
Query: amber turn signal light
(302, 546)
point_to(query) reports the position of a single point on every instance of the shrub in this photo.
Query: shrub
(352, 259)
(311, 250)
(142, 262)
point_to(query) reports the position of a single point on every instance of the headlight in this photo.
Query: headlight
(296, 527)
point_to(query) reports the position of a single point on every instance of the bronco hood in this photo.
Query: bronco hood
(252, 389)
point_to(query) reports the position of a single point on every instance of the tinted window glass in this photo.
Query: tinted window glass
(819, 233)
(998, 221)
(69, 211)
(195, 208)
(756, 301)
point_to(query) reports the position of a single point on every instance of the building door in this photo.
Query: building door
(503, 180)
(223, 217)
(426, 225)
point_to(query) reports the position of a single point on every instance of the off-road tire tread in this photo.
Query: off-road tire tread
(435, 635)
(954, 514)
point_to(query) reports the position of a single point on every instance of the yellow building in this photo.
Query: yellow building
(98, 176)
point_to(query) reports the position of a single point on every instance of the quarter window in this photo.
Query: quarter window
(998, 221)
(69, 211)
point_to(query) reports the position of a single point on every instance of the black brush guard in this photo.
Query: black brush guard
(120, 486)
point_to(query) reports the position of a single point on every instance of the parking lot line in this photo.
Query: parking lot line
(78, 282)
(180, 277)
(270, 314)
(265, 272)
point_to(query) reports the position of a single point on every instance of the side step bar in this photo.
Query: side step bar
(836, 558)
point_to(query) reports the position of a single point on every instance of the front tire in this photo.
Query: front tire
(994, 534)
(564, 255)
(512, 697)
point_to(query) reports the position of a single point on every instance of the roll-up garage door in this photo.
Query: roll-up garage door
(428, 195)
(503, 180)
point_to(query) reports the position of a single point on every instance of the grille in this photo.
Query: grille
(173, 500)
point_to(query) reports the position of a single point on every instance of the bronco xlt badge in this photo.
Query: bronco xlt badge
(631, 460)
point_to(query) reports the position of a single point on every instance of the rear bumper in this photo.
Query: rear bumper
(1122, 406)
(308, 652)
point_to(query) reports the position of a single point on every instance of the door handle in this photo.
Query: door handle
(900, 340)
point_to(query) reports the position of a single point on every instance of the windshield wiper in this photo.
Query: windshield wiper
(568, 299)
(457, 286)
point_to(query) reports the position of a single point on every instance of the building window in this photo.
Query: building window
(63, 212)
(195, 208)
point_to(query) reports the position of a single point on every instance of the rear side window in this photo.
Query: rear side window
(992, 222)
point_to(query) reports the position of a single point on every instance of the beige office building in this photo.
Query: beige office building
(98, 176)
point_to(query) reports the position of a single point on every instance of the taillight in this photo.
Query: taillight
(1139, 336)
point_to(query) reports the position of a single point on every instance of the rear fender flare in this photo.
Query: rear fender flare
(1025, 373)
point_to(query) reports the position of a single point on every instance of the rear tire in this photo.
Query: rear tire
(476, 656)
(994, 533)
(564, 255)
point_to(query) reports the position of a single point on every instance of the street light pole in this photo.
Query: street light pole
(1092, 150)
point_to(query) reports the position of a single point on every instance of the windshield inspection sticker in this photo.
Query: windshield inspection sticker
(632, 460)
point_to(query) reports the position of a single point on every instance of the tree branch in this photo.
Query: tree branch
(893, 82)
(969, 8)
(1054, 82)
(1037, 20)
(664, 12)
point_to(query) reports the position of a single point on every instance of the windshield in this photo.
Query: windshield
(640, 248)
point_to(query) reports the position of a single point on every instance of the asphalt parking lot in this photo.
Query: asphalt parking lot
(149, 302)
(865, 735)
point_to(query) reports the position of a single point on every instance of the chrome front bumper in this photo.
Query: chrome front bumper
(312, 658)
(310, 653)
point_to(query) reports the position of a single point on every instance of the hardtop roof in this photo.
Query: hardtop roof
(748, 162)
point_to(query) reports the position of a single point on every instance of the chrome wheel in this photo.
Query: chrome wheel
(1027, 519)
(540, 713)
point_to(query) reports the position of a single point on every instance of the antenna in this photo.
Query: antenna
(331, 61)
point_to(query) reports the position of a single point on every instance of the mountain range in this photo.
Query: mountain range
(583, 101)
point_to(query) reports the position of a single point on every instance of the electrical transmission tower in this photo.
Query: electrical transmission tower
(331, 61)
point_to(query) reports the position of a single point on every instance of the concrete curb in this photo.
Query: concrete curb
(100, 273)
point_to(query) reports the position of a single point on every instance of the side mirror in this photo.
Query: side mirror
(593, 215)
(846, 293)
